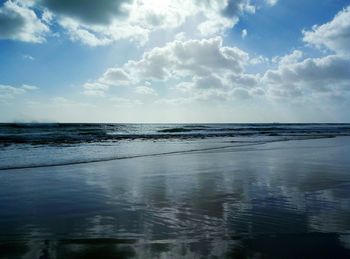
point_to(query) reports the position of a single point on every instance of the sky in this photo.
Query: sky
(174, 61)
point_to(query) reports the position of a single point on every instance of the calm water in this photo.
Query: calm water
(241, 196)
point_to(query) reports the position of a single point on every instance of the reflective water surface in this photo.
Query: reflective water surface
(275, 200)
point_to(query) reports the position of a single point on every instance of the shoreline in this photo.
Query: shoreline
(226, 140)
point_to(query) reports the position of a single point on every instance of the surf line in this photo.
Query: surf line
(127, 157)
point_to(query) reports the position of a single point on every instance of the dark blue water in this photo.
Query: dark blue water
(63, 133)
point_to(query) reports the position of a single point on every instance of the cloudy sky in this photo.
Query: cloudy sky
(175, 60)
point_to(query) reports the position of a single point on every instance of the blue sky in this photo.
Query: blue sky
(175, 61)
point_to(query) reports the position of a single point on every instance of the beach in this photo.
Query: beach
(278, 199)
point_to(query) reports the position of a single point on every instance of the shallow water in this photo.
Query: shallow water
(275, 200)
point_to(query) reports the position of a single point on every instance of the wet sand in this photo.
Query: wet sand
(277, 200)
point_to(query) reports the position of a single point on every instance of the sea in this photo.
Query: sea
(28, 145)
(174, 190)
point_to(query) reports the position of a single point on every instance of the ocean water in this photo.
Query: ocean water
(50, 144)
(175, 191)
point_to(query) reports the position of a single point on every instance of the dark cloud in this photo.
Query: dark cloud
(10, 24)
(235, 7)
(88, 11)
(232, 8)
(18, 22)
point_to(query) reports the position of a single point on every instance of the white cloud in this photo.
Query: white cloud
(214, 26)
(189, 58)
(334, 35)
(145, 90)
(9, 92)
(95, 89)
(222, 15)
(258, 60)
(291, 58)
(257, 91)
(243, 80)
(240, 93)
(116, 76)
(28, 57)
(113, 77)
(205, 64)
(181, 36)
(271, 2)
(208, 82)
(97, 35)
(79, 33)
(244, 33)
(203, 83)
(29, 87)
(47, 16)
(18, 22)
(312, 75)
